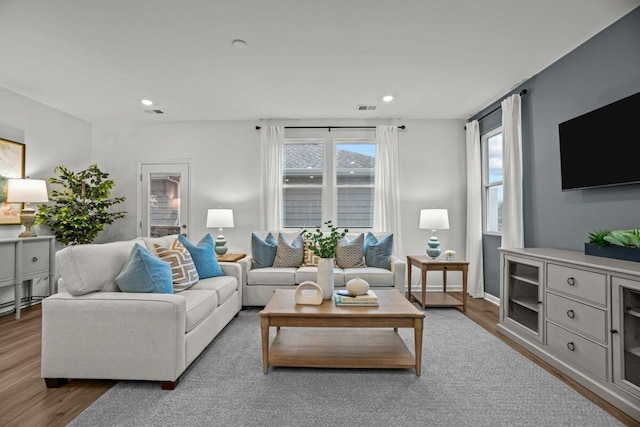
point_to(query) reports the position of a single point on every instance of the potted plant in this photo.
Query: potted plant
(619, 244)
(323, 244)
(80, 209)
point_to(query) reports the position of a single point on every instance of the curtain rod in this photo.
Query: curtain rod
(523, 92)
(331, 127)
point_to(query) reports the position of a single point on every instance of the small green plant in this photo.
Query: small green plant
(323, 244)
(627, 238)
(80, 209)
(597, 237)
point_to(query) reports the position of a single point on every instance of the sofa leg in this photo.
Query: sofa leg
(169, 385)
(55, 382)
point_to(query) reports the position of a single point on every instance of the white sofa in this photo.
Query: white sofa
(91, 330)
(260, 283)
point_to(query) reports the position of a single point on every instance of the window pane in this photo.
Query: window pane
(302, 164)
(302, 207)
(355, 207)
(494, 156)
(494, 208)
(355, 164)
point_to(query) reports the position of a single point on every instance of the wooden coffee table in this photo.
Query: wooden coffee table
(373, 342)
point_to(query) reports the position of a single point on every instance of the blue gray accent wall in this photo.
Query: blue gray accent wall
(604, 69)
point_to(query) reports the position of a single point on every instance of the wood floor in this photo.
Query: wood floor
(25, 401)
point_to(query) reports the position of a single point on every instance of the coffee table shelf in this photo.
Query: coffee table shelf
(329, 336)
(331, 348)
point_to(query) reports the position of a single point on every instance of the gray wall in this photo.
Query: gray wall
(604, 69)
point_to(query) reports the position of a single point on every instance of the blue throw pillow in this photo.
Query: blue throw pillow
(203, 256)
(378, 253)
(144, 272)
(263, 251)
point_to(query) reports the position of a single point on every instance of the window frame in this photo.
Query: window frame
(329, 186)
(486, 184)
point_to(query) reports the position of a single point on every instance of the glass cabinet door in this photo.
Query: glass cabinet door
(626, 334)
(523, 294)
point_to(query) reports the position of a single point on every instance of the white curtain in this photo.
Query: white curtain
(386, 205)
(475, 278)
(512, 217)
(271, 152)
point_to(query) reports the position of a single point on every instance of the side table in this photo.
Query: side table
(437, 299)
(228, 257)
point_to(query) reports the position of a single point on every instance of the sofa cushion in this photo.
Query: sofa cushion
(203, 256)
(200, 305)
(263, 251)
(224, 286)
(184, 273)
(309, 259)
(272, 276)
(350, 253)
(311, 273)
(92, 267)
(164, 241)
(373, 275)
(144, 272)
(377, 253)
(289, 253)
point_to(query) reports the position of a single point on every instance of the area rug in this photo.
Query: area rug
(469, 378)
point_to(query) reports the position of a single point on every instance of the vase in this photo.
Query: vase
(325, 277)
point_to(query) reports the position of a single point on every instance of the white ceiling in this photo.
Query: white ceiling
(95, 59)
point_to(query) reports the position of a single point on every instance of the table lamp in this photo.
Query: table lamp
(220, 218)
(434, 219)
(27, 191)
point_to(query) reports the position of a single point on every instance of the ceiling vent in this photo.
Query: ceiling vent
(366, 107)
(154, 111)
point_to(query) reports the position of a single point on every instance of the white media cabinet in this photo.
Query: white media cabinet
(579, 313)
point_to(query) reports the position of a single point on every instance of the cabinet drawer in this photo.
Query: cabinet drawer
(580, 283)
(581, 317)
(8, 264)
(35, 257)
(585, 353)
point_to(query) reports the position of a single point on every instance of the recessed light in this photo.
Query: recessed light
(147, 102)
(387, 98)
(239, 44)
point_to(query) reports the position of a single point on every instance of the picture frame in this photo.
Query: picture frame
(12, 155)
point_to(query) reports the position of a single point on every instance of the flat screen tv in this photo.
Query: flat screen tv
(602, 147)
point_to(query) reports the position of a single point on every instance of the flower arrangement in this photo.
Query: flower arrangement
(323, 244)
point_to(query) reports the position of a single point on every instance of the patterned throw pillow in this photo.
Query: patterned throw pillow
(378, 253)
(310, 259)
(144, 272)
(289, 254)
(350, 254)
(183, 269)
(263, 251)
(203, 256)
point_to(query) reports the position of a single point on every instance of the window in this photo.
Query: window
(492, 180)
(340, 189)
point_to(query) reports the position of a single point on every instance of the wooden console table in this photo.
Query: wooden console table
(437, 299)
(229, 257)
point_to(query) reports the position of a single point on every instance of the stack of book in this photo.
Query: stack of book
(344, 298)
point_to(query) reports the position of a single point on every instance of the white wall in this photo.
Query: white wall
(51, 138)
(225, 160)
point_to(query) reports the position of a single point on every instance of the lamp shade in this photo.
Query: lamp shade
(220, 218)
(27, 191)
(434, 219)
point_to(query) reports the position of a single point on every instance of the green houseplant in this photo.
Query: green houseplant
(323, 244)
(80, 209)
(619, 244)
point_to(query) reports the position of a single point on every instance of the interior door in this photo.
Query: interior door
(164, 199)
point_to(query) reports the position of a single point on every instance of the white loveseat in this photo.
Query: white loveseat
(92, 330)
(260, 283)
